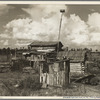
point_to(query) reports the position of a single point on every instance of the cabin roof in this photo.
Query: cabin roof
(45, 43)
(74, 56)
(95, 55)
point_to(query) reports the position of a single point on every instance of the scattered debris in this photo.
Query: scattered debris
(16, 86)
(88, 79)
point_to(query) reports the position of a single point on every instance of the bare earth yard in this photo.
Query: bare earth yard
(9, 81)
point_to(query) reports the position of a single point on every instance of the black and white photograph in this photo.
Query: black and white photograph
(50, 50)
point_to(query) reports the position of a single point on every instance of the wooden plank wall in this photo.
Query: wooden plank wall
(75, 67)
(58, 74)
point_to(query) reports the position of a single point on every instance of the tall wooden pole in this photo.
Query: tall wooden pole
(60, 26)
(62, 11)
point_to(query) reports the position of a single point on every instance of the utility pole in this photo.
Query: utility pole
(62, 11)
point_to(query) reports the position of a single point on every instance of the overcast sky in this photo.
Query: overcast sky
(22, 24)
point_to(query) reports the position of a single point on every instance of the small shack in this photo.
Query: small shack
(55, 73)
(77, 61)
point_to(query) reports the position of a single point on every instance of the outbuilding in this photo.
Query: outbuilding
(77, 61)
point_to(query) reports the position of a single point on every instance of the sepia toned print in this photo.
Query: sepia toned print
(50, 50)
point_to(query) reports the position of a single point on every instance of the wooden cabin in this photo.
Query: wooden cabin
(77, 61)
(41, 51)
(49, 48)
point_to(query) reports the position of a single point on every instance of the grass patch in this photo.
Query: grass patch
(30, 83)
(30, 86)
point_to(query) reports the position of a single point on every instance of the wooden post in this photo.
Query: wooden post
(67, 72)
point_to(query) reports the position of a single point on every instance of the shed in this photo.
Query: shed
(77, 60)
(55, 74)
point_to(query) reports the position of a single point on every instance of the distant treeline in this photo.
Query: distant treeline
(79, 49)
(6, 51)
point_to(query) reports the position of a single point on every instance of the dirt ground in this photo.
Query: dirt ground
(10, 79)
